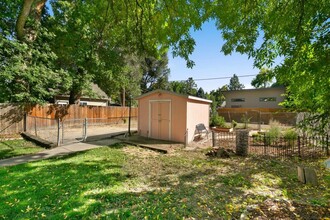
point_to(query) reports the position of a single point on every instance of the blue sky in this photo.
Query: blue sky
(210, 62)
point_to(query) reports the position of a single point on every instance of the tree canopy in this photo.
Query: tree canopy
(263, 79)
(85, 40)
(298, 32)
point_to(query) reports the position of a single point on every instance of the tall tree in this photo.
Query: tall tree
(263, 79)
(298, 31)
(217, 96)
(187, 87)
(234, 83)
(155, 73)
(27, 71)
(200, 93)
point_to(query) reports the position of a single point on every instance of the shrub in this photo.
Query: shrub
(245, 120)
(290, 136)
(234, 123)
(218, 121)
(258, 138)
(272, 135)
(274, 123)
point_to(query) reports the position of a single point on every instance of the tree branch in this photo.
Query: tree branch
(21, 20)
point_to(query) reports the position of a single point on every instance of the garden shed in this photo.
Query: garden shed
(170, 116)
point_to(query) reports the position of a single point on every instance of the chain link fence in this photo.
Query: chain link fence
(68, 131)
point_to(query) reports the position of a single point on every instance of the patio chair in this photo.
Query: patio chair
(200, 129)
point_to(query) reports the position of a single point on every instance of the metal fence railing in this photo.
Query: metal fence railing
(264, 145)
(300, 146)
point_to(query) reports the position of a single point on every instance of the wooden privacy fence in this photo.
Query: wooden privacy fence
(14, 119)
(76, 111)
(258, 115)
(11, 119)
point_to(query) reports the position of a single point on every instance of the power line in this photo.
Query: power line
(216, 78)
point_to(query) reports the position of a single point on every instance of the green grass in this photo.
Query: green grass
(123, 182)
(12, 148)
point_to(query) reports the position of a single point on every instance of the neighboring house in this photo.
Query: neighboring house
(171, 116)
(99, 99)
(255, 98)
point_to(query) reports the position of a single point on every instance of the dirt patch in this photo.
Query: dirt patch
(285, 209)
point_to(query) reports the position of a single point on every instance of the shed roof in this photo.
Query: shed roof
(174, 93)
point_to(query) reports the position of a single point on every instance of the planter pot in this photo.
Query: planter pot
(220, 129)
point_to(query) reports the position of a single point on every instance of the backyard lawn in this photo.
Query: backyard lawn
(125, 182)
(12, 148)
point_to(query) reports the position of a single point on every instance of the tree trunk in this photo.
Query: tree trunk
(29, 6)
(21, 20)
(74, 97)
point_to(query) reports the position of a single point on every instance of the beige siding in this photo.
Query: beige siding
(197, 112)
(185, 113)
(252, 98)
(178, 115)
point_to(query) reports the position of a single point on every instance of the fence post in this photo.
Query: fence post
(62, 131)
(242, 142)
(58, 132)
(213, 139)
(35, 126)
(186, 138)
(129, 117)
(85, 130)
(24, 122)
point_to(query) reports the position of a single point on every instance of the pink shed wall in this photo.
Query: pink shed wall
(197, 112)
(178, 114)
(186, 113)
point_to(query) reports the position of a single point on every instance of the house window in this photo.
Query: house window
(267, 99)
(83, 103)
(238, 100)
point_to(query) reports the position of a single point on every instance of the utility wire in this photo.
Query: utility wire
(224, 77)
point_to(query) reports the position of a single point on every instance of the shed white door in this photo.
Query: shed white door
(160, 120)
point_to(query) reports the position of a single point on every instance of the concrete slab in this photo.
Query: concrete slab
(58, 151)
(153, 144)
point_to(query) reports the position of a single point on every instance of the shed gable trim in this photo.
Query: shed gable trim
(174, 93)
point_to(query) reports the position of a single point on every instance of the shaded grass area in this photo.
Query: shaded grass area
(123, 182)
(13, 148)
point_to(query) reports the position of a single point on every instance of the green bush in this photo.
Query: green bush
(272, 135)
(217, 121)
(257, 138)
(290, 134)
(234, 123)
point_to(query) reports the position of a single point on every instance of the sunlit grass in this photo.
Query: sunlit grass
(12, 148)
(123, 182)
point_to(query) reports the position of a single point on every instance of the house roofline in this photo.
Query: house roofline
(83, 98)
(259, 89)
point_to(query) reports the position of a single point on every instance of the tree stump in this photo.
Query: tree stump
(307, 175)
